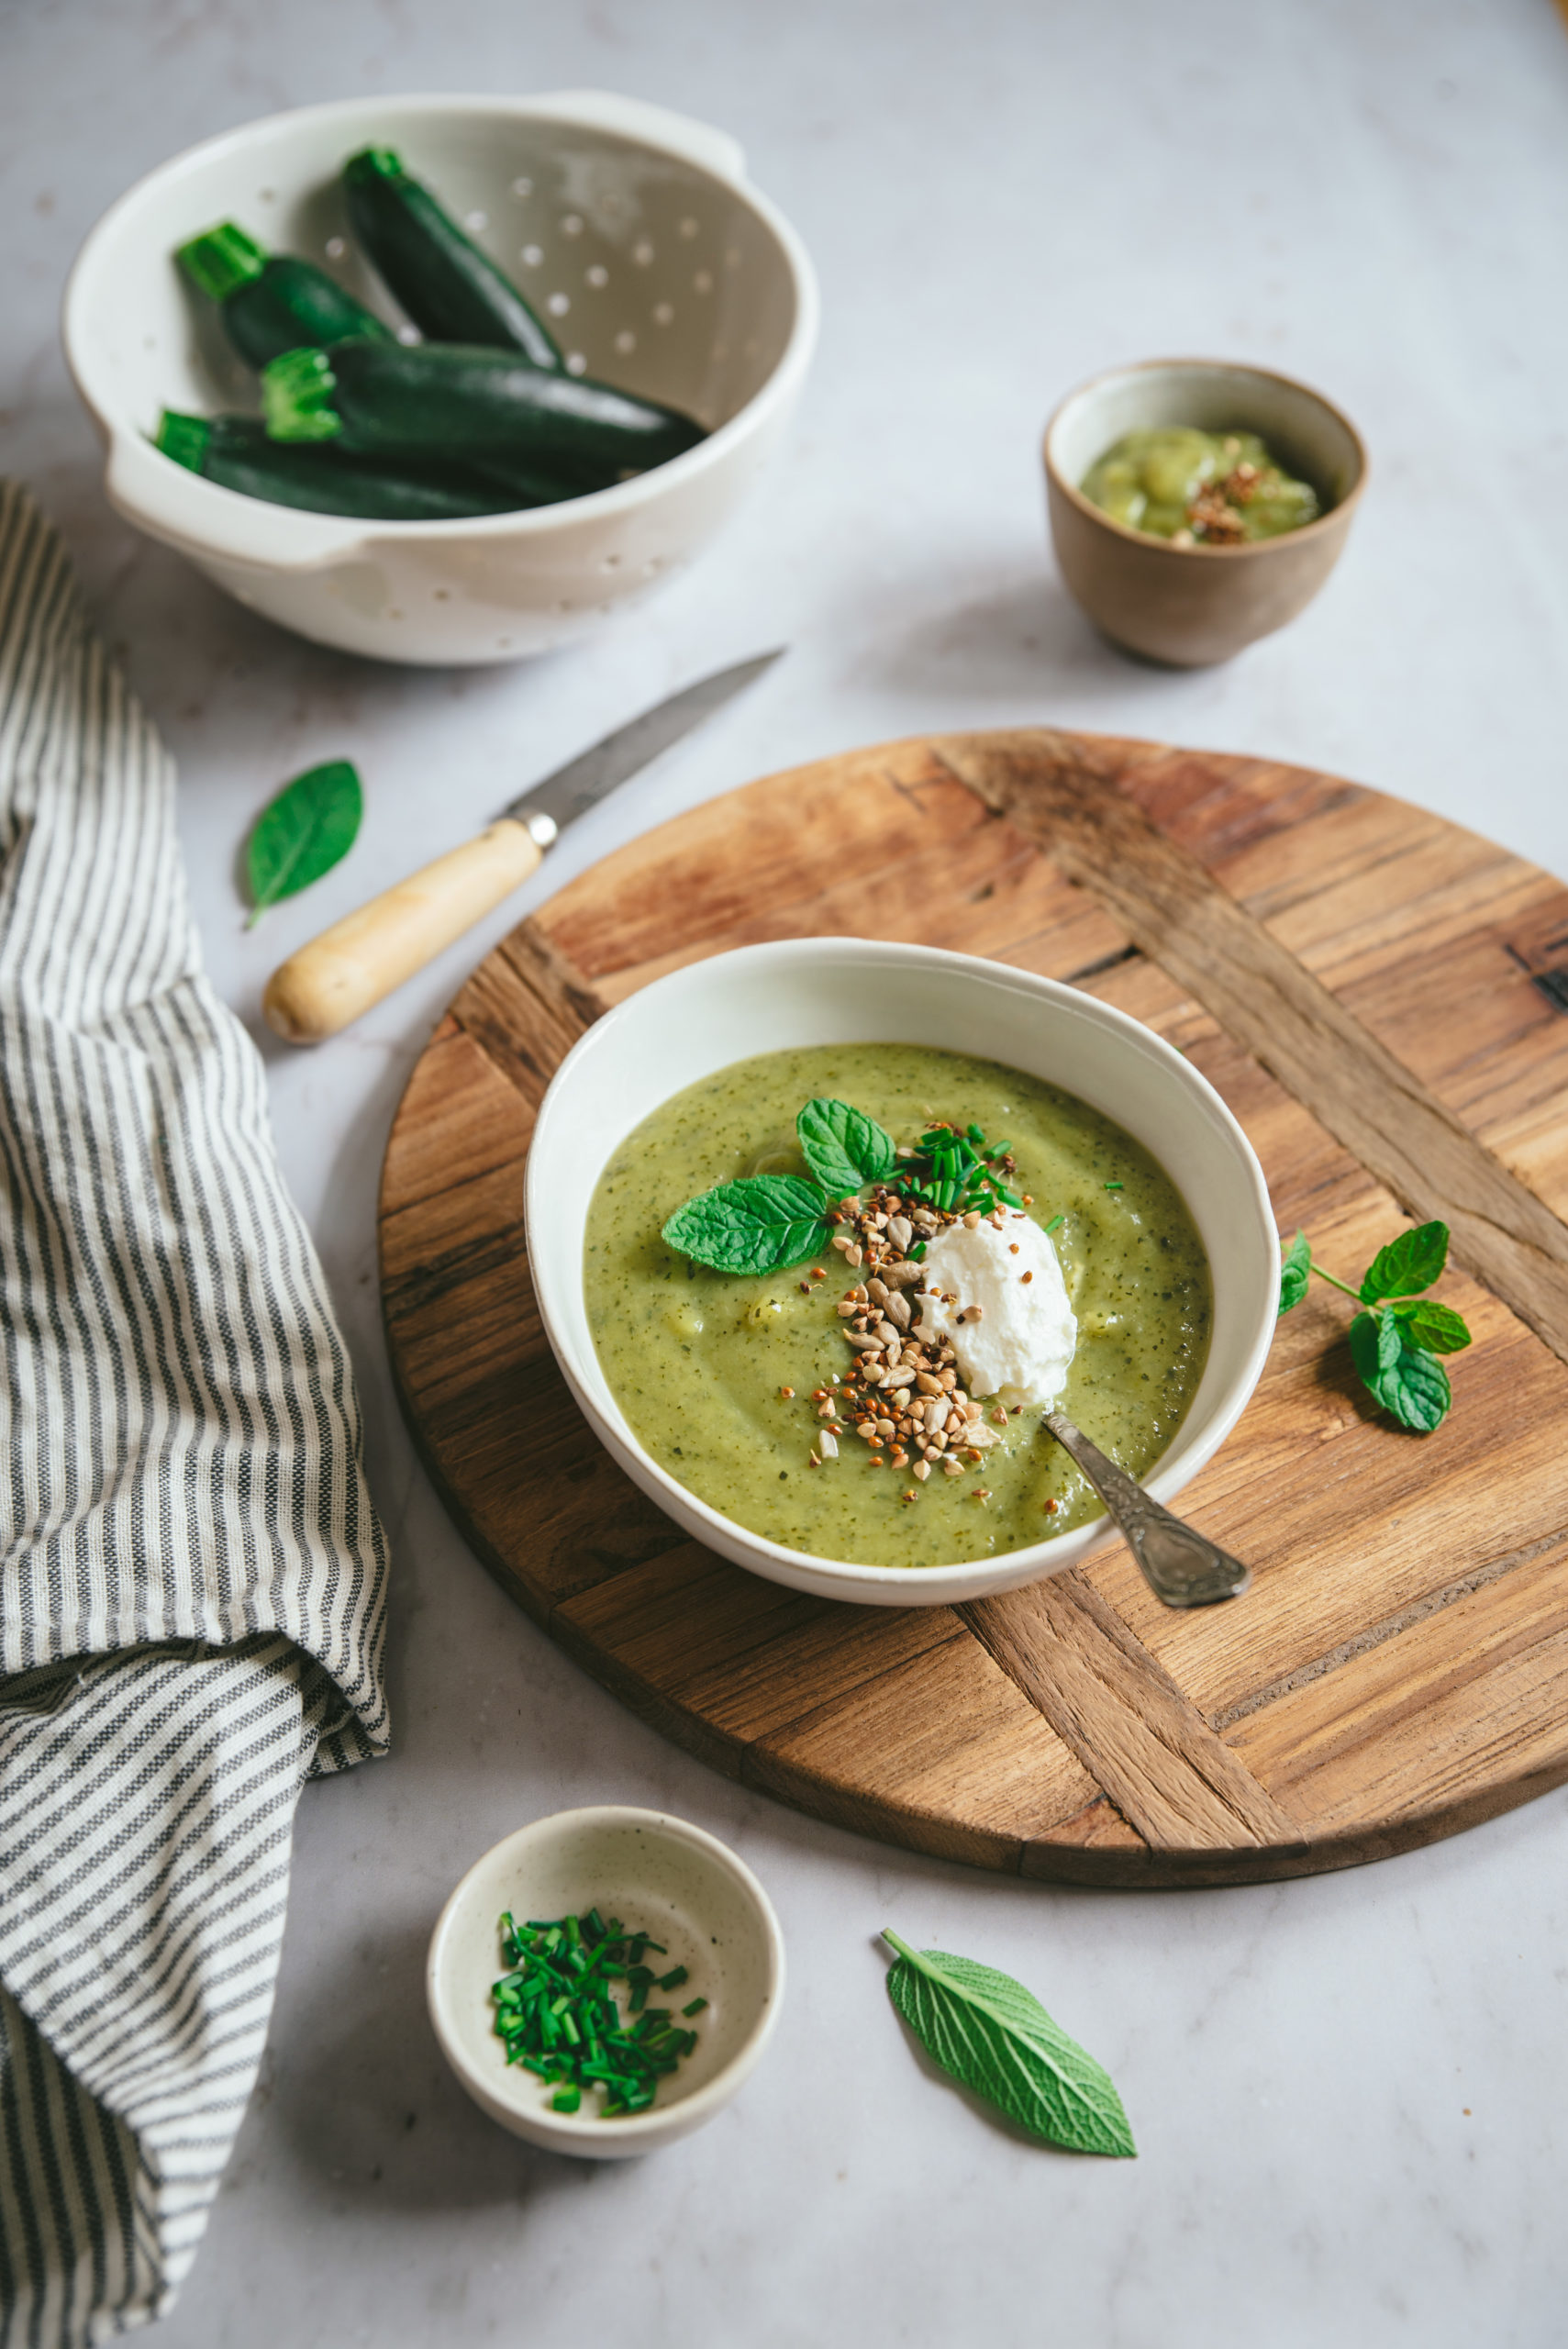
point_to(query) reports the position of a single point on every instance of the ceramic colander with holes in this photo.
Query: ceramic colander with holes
(633, 229)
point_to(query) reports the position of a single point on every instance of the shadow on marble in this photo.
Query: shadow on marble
(367, 2098)
(1028, 638)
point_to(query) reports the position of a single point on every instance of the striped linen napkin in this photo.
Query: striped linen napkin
(192, 1581)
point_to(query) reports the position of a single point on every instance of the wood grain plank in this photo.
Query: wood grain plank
(1129, 1724)
(525, 1006)
(1464, 1715)
(944, 1754)
(456, 1111)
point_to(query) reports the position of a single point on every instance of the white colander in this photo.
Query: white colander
(631, 229)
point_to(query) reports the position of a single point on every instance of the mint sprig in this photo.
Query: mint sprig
(843, 1147)
(1397, 1336)
(993, 2037)
(758, 1225)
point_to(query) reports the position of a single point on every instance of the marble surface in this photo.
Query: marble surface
(1348, 2093)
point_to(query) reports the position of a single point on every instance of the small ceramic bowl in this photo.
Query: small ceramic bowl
(840, 990)
(1191, 606)
(634, 230)
(691, 1893)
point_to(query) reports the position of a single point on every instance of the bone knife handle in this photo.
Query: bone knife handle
(325, 985)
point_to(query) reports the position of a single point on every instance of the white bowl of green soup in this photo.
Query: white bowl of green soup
(742, 1188)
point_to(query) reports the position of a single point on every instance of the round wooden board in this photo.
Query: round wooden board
(1382, 998)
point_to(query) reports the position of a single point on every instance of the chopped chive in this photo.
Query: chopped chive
(1115, 1187)
(1054, 1221)
(557, 2017)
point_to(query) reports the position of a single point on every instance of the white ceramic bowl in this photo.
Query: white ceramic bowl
(680, 281)
(842, 990)
(688, 1889)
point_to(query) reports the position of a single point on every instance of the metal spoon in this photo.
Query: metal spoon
(1181, 1566)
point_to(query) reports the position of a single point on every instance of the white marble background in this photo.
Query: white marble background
(1348, 2093)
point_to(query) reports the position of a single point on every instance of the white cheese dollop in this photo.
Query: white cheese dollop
(1020, 1341)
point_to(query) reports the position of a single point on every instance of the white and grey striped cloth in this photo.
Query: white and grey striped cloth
(192, 1581)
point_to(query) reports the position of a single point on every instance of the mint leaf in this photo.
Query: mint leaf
(302, 833)
(757, 1225)
(1436, 1326)
(1296, 1263)
(843, 1147)
(993, 2036)
(1408, 1382)
(1412, 1262)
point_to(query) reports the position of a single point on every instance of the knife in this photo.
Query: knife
(361, 958)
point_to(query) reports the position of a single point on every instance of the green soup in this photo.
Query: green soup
(697, 1359)
(1198, 488)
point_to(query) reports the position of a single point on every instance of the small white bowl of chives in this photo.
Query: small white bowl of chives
(602, 1981)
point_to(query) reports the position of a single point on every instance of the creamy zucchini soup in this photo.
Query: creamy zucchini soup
(832, 1289)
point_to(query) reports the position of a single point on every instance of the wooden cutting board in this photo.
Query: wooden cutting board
(1383, 999)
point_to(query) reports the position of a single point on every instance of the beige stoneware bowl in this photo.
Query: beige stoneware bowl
(842, 990)
(1191, 606)
(690, 1891)
(636, 233)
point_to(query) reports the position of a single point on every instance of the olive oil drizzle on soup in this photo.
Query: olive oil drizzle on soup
(696, 1359)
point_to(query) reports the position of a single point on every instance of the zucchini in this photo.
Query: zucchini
(483, 408)
(272, 303)
(452, 292)
(235, 453)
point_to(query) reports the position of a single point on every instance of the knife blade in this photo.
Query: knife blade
(582, 782)
(359, 959)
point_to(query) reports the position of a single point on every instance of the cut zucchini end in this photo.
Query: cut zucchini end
(373, 163)
(187, 439)
(223, 260)
(296, 398)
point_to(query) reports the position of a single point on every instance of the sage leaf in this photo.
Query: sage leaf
(1409, 1383)
(1435, 1326)
(1295, 1264)
(756, 1225)
(843, 1147)
(1412, 1262)
(302, 833)
(993, 2037)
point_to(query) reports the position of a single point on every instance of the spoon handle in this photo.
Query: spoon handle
(1180, 1565)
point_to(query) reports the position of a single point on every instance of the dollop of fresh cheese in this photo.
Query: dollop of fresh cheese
(1012, 1327)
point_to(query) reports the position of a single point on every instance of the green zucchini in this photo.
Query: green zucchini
(272, 303)
(235, 453)
(483, 408)
(452, 292)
